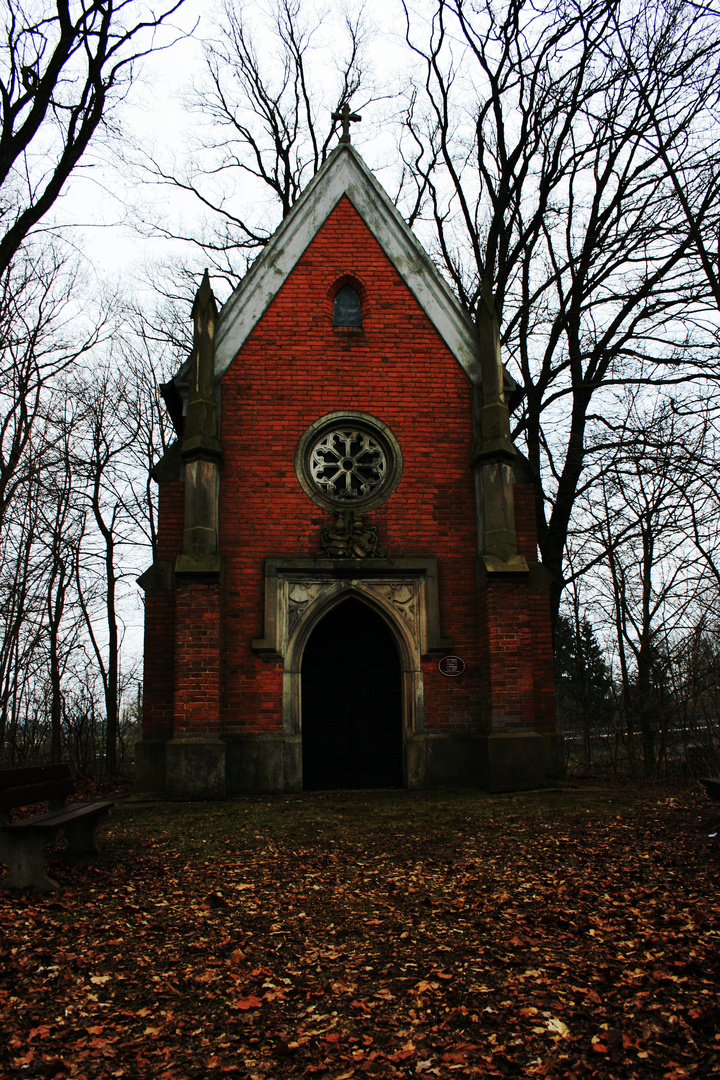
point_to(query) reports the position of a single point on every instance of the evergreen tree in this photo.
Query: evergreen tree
(582, 682)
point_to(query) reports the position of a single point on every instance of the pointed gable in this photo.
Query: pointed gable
(344, 174)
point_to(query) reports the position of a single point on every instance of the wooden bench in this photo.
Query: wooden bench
(712, 786)
(23, 843)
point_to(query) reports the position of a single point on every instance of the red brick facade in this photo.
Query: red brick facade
(199, 660)
(295, 368)
(204, 674)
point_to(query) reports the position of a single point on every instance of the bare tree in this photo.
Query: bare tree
(693, 173)
(695, 686)
(265, 127)
(41, 334)
(61, 525)
(533, 152)
(62, 69)
(120, 431)
(582, 681)
(43, 331)
(100, 458)
(650, 582)
(145, 356)
(19, 615)
(71, 537)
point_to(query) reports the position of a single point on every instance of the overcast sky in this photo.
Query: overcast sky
(153, 118)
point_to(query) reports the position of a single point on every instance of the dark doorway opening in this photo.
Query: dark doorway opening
(351, 702)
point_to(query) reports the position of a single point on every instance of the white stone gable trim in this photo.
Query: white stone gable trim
(344, 173)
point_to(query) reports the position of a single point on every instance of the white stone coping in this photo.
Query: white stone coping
(344, 173)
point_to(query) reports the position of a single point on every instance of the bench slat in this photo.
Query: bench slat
(33, 774)
(32, 793)
(54, 819)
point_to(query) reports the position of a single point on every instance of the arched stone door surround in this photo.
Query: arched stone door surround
(330, 596)
(402, 592)
(351, 700)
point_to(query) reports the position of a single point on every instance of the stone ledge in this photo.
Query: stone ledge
(158, 578)
(207, 566)
(490, 567)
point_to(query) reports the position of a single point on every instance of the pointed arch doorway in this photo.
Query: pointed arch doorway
(351, 702)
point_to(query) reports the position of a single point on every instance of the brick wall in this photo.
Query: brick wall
(158, 681)
(198, 645)
(543, 679)
(538, 605)
(293, 369)
(171, 519)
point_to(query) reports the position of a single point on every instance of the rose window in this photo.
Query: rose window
(348, 459)
(348, 465)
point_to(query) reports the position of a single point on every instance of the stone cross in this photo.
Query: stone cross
(346, 118)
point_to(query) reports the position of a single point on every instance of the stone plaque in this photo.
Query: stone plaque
(451, 666)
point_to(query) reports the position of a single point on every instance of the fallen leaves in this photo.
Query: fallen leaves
(248, 1003)
(557, 1027)
(372, 935)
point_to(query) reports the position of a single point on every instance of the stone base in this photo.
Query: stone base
(491, 762)
(195, 769)
(555, 756)
(150, 765)
(450, 761)
(264, 764)
(214, 769)
(415, 762)
(512, 762)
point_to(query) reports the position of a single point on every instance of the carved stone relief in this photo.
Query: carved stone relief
(405, 588)
(402, 596)
(348, 538)
(300, 596)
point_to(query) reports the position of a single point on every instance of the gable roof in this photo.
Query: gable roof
(344, 173)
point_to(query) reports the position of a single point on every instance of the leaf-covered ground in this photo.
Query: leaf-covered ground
(571, 933)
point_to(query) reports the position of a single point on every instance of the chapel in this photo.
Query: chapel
(346, 591)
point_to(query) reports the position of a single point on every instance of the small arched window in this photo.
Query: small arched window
(346, 309)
